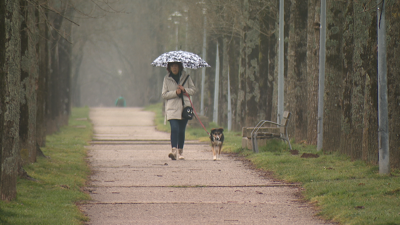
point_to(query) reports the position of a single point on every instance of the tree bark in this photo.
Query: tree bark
(43, 61)
(252, 40)
(369, 57)
(241, 91)
(393, 81)
(333, 71)
(10, 97)
(55, 101)
(297, 70)
(267, 66)
(29, 75)
(361, 61)
(234, 58)
(348, 51)
(223, 111)
(313, 29)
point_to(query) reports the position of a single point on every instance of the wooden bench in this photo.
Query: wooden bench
(253, 137)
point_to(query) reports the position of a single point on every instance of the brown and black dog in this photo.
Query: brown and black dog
(217, 140)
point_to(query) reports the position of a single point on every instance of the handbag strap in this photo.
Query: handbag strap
(183, 104)
(185, 80)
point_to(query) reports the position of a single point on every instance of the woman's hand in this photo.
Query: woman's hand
(181, 88)
(178, 91)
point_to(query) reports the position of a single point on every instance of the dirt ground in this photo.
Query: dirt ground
(134, 181)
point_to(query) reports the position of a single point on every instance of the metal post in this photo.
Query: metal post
(321, 85)
(176, 15)
(281, 63)
(176, 35)
(186, 35)
(216, 87)
(186, 11)
(229, 104)
(203, 72)
(383, 131)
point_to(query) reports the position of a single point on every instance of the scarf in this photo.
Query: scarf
(176, 77)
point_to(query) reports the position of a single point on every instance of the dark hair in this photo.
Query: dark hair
(172, 63)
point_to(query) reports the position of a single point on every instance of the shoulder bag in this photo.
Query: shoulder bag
(187, 112)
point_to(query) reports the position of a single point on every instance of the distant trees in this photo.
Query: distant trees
(35, 68)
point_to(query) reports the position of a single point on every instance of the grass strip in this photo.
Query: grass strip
(52, 198)
(344, 191)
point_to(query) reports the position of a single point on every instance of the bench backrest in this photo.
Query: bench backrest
(246, 131)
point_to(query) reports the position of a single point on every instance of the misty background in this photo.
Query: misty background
(114, 47)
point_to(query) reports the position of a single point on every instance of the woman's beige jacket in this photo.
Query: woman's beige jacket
(173, 103)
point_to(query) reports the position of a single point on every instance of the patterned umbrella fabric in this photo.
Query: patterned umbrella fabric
(188, 59)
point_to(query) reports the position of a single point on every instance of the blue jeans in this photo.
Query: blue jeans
(178, 128)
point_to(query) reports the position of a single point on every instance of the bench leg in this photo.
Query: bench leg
(254, 144)
(290, 146)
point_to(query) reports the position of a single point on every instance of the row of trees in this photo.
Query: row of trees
(35, 81)
(247, 35)
(58, 53)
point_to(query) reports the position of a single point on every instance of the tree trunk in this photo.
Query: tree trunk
(55, 96)
(313, 29)
(10, 97)
(252, 40)
(348, 51)
(29, 74)
(297, 70)
(234, 69)
(393, 81)
(43, 57)
(272, 56)
(266, 59)
(369, 57)
(224, 84)
(333, 71)
(65, 75)
(210, 79)
(241, 91)
(361, 61)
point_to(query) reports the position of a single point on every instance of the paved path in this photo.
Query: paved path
(134, 181)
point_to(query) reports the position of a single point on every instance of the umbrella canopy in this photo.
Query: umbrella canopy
(188, 59)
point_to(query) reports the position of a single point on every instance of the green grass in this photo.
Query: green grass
(159, 118)
(52, 198)
(345, 191)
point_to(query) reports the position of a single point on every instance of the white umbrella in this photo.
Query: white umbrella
(188, 59)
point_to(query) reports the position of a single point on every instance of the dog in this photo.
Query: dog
(217, 140)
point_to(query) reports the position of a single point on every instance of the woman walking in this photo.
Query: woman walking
(172, 92)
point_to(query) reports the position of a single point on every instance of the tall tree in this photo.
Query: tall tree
(393, 81)
(42, 52)
(10, 70)
(313, 29)
(297, 69)
(252, 42)
(360, 32)
(369, 61)
(334, 70)
(29, 76)
(348, 47)
(268, 54)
